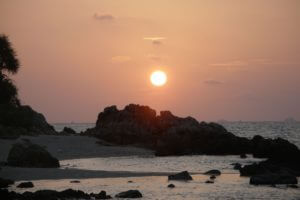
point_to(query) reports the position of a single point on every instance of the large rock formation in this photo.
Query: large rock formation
(31, 155)
(22, 120)
(171, 135)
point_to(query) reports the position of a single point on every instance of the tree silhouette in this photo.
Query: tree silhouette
(10, 64)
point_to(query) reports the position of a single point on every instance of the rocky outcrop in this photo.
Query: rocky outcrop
(182, 176)
(273, 179)
(171, 135)
(130, 194)
(213, 172)
(4, 183)
(22, 120)
(25, 185)
(68, 130)
(31, 155)
(101, 195)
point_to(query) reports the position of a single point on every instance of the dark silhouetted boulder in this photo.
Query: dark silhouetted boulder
(212, 177)
(273, 179)
(237, 166)
(25, 185)
(184, 176)
(171, 185)
(69, 131)
(213, 172)
(101, 195)
(243, 156)
(130, 194)
(31, 155)
(75, 181)
(4, 183)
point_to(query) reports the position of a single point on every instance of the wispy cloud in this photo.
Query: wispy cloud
(103, 17)
(231, 63)
(212, 82)
(120, 59)
(155, 40)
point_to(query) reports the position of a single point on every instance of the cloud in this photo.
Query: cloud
(103, 17)
(213, 82)
(120, 59)
(155, 40)
(234, 63)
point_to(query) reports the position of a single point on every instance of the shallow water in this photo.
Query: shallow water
(197, 163)
(226, 186)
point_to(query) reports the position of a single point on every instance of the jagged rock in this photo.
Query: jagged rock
(130, 194)
(213, 172)
(171, 185)
(185, 176)
(69, 130)
(4, 183)
(31, 155)
(273, 179)
(25, 185)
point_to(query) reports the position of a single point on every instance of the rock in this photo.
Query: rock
(185, 176)
(293, 186)
(69, 130)
(31, 155)
(209, 181)
(70, 193)
(75, 181)
(171, 185)
(4, 183)
(212, 177)
(243, 156)
(130, 194)
(25, 185)
(129, 181)
(237, 166)
(253, 169)
(101, 195)
(273, 179)
(213, 172)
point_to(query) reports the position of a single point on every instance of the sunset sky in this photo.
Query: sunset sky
(233, 59)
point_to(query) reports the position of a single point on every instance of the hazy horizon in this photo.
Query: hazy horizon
(233, 60)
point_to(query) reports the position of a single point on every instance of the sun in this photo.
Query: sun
(158, 78)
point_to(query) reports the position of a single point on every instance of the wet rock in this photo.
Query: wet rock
(101, 195)
(130, 194)
(31, 155)
(70, 193)
(4, 183)
(213, 172)
(243, 156)
(69, 130)
(75, 181)
(25, 185)
(212, 177)
(237, 166)
(209, 181)
(185, 176)
(253, 169)
(171, 185)
(273, 179)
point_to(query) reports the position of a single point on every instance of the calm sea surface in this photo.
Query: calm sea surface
(229, 186)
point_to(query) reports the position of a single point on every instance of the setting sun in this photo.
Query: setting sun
(158, 78)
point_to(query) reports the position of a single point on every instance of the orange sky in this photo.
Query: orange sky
(233, 59)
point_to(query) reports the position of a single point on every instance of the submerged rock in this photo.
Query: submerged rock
(31, 155)
(209, 181)
(130, 194)
(273, 179)
(171, 185)
(185, 176)
(25, 185)
(212, 177)
(243, 156)
(213, 172)
(4, 183)
(101, 195)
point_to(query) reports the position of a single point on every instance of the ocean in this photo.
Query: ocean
(228, 186)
